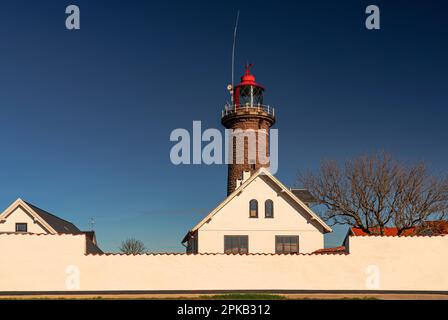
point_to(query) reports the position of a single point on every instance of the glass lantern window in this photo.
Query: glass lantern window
(250, 95)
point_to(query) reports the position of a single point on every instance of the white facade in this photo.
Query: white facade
(20, 212)
(23, 218)
(18, 216)
(291, 217)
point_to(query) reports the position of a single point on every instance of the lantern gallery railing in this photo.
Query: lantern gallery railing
(230, 109)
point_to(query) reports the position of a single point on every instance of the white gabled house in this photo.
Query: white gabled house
(260, 216)
(22, 217)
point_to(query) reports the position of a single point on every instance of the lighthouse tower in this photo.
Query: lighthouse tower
(249, 119)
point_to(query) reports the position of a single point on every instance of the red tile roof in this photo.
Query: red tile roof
(387, 232)
(336, 250)
(429, 228)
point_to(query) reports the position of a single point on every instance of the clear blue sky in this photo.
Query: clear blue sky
(86, 115)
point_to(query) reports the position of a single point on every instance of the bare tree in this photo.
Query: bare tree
(132, 246)
(374, 191)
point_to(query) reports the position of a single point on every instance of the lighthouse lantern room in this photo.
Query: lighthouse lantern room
(248, 92)
(247, 112)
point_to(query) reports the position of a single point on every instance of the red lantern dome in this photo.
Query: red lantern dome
(248, 92)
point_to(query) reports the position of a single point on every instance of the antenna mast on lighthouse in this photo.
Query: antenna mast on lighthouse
(233, 55)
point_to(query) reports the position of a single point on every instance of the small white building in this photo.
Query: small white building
(22, 217)
(260, 216)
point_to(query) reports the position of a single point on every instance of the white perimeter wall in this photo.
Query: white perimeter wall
(52, 262)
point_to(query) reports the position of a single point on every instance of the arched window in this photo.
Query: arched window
(253, 208)
(269, 209)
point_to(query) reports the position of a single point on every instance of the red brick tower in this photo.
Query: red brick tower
(247, 113)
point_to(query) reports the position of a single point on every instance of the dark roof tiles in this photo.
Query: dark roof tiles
(58, 224)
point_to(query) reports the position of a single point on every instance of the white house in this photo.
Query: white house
(260, 216)
(22, 217)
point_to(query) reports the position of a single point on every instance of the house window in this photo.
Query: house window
(269, 209)
(286, 244)
(253, 209)
(21, 227)
(236, 244)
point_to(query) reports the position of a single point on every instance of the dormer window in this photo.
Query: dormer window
(21, 227)
(253, 208)
(269, 209)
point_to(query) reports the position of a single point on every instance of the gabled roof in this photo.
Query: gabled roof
(52, 224)
(284, 189)
(19, 203)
